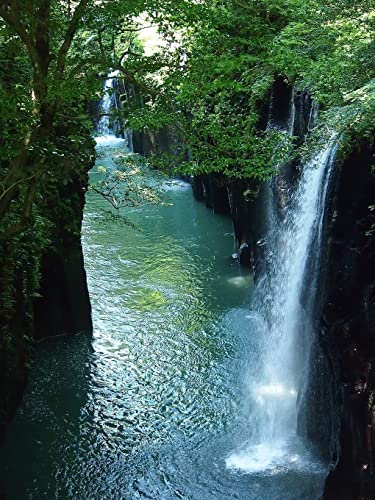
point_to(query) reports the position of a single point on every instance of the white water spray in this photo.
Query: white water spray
(104, 130)
(278, 375)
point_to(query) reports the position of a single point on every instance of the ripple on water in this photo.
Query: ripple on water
(154, 404)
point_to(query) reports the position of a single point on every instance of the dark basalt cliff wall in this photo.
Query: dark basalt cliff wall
(59, 305)
(337, 412)
(348, 326)
(63, 305)
(147, 142)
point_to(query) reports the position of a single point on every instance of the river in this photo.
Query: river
(156, 404)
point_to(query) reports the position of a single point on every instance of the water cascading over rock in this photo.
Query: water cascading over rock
(278, 372)
(105, 130)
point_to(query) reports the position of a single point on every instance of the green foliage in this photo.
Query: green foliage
(209, 79)
(221, 70)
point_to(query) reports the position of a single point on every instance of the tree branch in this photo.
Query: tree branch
(13, 230)
(14, 22)
(132, 79)
(69, 36)
(138, 29)
(82, 64)
(14, 185)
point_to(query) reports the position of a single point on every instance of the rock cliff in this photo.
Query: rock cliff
(43, 290)
(348, 324)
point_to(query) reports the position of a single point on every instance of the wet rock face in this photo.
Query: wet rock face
(150, 142)
(212, 189)
(228, 197)
(63, 303)
(63, 306)
(348, 324)
(147, 142)
(280, 107)
(293, 112)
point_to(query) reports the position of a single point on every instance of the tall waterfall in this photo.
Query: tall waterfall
(282, 323)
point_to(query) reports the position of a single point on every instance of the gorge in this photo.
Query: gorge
(195, 379)
(191, 386)
(189, 310)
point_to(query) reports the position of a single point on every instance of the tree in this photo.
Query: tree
(54, 55)
(62, 48)
(215, 82)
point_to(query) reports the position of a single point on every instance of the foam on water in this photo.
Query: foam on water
(175, 185)
(110, 141)
(258, 458)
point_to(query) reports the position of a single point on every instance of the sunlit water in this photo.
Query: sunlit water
(155, 403)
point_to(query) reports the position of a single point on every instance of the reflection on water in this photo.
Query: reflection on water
(153, 405)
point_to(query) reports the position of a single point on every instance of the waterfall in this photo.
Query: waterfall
(105, 133)
(282, 324)
(104, 129)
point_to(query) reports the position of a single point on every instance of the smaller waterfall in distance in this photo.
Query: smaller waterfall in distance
(282, 325)
(105, 133)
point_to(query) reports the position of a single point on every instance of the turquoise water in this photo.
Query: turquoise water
(156, 401)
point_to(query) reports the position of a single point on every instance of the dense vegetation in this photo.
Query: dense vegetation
(228, 59)
(209, 80)
(54, 56)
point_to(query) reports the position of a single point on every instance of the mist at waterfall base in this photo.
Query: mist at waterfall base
(189, 386)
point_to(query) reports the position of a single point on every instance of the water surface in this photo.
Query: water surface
(153, 405)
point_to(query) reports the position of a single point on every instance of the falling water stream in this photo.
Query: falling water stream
(104, 129)
(188, 387)
(283, 324)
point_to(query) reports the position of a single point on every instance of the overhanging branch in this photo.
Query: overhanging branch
(15, 23)
(69, 36)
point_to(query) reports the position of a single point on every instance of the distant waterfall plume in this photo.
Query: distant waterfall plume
(106, 135)
(282, 323)
(104, 128)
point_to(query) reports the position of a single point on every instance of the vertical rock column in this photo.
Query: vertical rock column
(63, 305)
(349, 325)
